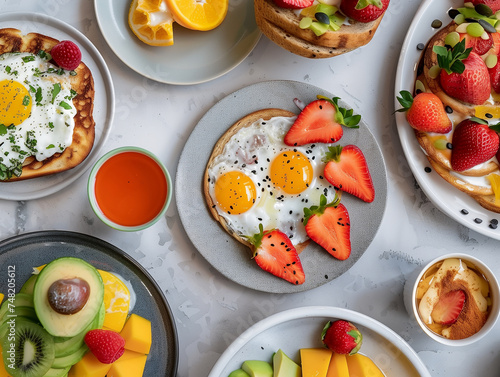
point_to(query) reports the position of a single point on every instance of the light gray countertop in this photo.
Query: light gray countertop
(210, 311)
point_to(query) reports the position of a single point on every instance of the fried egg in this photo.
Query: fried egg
(36, 110)
(258, 179)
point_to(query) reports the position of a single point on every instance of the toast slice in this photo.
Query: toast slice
(282, 27)
(246, 121)
(13, 40)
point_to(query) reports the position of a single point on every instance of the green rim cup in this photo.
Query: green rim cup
(91, 189)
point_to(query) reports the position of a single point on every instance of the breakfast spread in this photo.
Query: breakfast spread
(453, 298)
(152, 21)
(339, 357)
(47, 99)
(70, 319)
(455, 105)
(273, 182)
(319, 28)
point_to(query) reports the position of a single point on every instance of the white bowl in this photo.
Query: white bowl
(92, 195)
(411, 300)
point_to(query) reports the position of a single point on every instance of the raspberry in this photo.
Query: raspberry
(67, 55)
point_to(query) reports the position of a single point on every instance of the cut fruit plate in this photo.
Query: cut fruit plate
(194, 57)
(103, 103)
(454, 203)
(231, 258)
(298, 328)
(20, 254)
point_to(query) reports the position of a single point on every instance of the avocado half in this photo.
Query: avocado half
(64, 325)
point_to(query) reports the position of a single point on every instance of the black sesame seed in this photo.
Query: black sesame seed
(488, 115)
(420, 46)
(449, 145)
(449, 110)
(464, 212)
(494, 221)
(427, 169)
(493, 226)
(477, 220)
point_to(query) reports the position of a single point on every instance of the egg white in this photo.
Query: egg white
(49, 128)
(251, 151)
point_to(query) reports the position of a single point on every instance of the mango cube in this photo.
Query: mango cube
(338, 366)
(137, 334)
(128, 367)
(360, 365)
(315, 361)
(3, 372)
(89, 366)
(1, 297)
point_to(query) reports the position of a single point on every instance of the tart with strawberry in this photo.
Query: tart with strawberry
(319, 28)
(455, 105)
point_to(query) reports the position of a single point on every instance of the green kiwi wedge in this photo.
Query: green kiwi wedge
(27, 349)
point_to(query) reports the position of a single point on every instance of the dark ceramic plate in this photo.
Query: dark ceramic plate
(22, 253)
(232, 258)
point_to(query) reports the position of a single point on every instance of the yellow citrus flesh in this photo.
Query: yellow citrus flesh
(482, 110)
(495, 185)
(151, 21)
(198, 14)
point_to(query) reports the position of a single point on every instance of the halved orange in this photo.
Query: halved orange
(151, 21)
(198, 14)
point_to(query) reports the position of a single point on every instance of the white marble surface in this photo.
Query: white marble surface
(211, 311)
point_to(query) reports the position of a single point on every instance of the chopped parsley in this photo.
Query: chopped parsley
(65, 105)
(26, 100)
(55, 91)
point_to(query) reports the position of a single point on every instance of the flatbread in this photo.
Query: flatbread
(12, 40)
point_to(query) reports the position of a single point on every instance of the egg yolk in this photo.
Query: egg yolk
(292, 172)
(235, 192)
(15, 103)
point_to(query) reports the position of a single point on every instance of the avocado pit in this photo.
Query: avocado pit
(68, 296)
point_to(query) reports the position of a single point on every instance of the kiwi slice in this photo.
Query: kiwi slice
(28, 350)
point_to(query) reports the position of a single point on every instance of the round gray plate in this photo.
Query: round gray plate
(222, 251)
(29, 250)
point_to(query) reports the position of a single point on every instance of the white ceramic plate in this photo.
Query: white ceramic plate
(232, 258)
(448, 199)
(301, 328)
(194, 57)
(104, 103)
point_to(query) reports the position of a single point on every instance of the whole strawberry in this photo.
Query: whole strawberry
(425, 112)
(342, 337)
(464, 74)
(495, 77)
(67, 55)
(294, 4)
(493, 4)
(364, 10)
(106, 345)
(473, 143)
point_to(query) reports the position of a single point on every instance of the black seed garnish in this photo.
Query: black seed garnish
(494, 221)
(420, 46)
(478, 220)
(453, 13)
(449, 146)
(427, 169)
(488, 115)
(464, 212)
(493, 226)
(436, 24)
(449, 110)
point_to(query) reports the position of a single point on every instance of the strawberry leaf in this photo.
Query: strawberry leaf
(343, 116)
(319, 210)
(406, 100)
(451, 60)
(364, 3)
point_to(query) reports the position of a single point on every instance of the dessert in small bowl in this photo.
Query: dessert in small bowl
(455, 299)
(129, 189)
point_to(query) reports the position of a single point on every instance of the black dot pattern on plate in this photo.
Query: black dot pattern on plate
(427, 169)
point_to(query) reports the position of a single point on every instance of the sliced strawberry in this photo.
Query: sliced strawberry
(321, 121)
(329, 226)
(464, 74)
(364, 10)
(342, 337)
(495, 77)
(275, 253)
(348, 171)
(294, 4)
(474, 142)
(425, 112)
(479, 45)
(449, 307)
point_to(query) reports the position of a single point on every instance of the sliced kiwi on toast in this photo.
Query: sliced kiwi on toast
(27, 349)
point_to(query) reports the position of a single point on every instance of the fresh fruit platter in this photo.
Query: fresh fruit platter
(88, 315)
(319, 341)
(447, 74)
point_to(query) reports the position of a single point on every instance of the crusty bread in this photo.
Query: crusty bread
(439, 159)
(246, 121)
(12, 40)
(282, 27)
